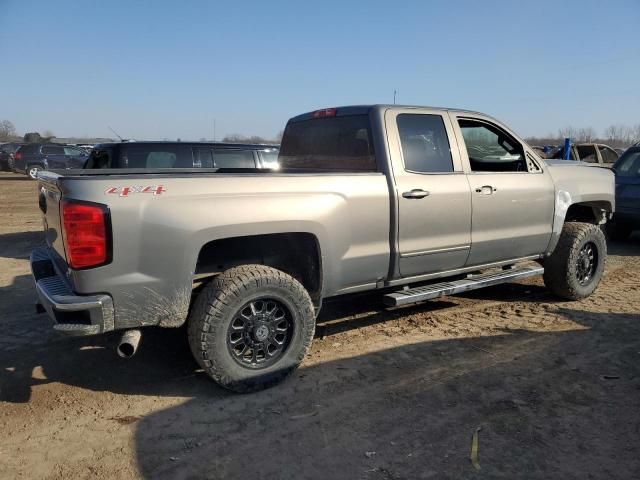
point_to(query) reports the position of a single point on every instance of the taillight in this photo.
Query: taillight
(87, 236)
(17, 155)
(325, 112)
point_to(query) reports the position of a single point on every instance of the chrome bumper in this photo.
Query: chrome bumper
(75, 315)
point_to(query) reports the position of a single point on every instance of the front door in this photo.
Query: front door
(432, 192)
(512, 196)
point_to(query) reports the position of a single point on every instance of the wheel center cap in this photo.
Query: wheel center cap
(585, 263)
(261, 333)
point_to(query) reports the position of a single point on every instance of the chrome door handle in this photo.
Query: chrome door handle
(415, 193)
(486, 190)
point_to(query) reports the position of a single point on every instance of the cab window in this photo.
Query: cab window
(608, 155)
(425, 146)
(490, 149)
(587, 153)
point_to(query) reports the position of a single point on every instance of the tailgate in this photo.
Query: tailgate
(49, 196)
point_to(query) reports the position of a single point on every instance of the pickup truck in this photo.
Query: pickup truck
(415, 202)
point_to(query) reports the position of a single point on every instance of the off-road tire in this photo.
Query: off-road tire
(219, 303)
(561, 268)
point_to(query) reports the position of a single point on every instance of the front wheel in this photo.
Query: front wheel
(574, 269)
(250, 327)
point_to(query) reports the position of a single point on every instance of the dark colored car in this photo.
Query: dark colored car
(627, 216)
(142, 155)
(30, 158)
(6, 155)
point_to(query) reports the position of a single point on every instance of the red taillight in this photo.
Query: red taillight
(325, 112)
(17, 155)
(86, 238)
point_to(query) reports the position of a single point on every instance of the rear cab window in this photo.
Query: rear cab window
(332, 143)
(424, 142)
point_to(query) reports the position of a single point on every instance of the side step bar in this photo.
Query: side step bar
(427, 292)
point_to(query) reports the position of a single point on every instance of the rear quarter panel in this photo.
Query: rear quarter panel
(157, 237)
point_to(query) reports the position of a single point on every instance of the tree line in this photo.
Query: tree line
(616, 136)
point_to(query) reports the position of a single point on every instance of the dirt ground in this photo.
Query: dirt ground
(384, 394)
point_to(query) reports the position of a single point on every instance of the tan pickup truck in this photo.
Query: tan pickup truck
(415, 202)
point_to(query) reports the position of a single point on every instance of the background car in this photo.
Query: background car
(627, 215)
(33, 157)
(596, 153)
(6, 155)
(182, 155)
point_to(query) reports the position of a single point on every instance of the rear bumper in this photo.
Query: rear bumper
(75, 315)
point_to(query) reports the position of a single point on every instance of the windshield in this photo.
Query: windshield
(629, 164)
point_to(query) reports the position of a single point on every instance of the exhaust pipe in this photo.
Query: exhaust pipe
(129, 343)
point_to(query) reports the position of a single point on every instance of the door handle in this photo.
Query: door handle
(486, 190)
(415, 193)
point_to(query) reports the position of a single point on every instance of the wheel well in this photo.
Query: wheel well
(297, 254)
(587, 212)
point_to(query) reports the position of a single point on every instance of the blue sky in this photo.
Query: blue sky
(166, 69)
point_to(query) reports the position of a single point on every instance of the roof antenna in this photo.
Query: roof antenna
(394, 96)
(116, 134)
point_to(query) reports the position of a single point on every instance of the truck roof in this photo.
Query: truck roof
(215, 144)
(365, 109)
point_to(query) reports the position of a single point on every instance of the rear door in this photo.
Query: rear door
(54, 154)
(512, 196)
(75, 157)
(432, 191)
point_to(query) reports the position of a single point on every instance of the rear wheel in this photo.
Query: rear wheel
(250, 327)
(32, 171)
(574, 269)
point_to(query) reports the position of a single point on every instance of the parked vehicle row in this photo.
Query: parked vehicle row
(32, 158)
(146, 155)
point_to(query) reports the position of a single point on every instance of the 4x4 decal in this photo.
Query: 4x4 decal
(129, 190)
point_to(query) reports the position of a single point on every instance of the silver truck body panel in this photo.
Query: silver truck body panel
(157, 238)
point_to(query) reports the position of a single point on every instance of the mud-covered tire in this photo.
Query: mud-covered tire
(221, 303)
(566, 265)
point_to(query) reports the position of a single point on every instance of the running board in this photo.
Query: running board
(427, 292)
